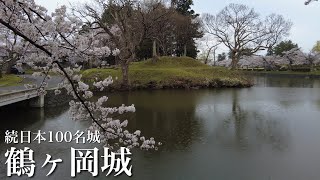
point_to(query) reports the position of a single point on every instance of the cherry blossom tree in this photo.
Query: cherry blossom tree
(295, 57)
(291, 58)
(251, 62)
(59, 38)
(224, 63)
(11, 48)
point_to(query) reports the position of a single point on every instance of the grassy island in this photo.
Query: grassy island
(171, 72)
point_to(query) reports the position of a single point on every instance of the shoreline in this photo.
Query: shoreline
(183, 86)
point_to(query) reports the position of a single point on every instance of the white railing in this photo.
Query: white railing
(17, 96)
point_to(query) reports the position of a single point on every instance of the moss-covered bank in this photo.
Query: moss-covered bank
(172, 72)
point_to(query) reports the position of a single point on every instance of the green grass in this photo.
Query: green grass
(10, 80)
(29, 71)
(171, 72)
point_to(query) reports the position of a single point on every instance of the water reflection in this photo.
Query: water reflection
(171, 122)
(268, 131)
(239, 125)
(18, 117)
(280, 81)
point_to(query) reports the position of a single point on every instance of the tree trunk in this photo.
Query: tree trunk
(12, 60)
(234, 61)
(214, 56)
(154, 52)
(9, 65)
(311, 67)
(0, 71)
(185, 50)
(206, 58)
(206, 61)
(165, 51)
(90, 63)
(233, 64)
(126, 56)
(125, 75)
(290, 64)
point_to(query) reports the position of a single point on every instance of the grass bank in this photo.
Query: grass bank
(10, 80)
(171, 72)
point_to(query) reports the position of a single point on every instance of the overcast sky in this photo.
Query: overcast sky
(306, 19)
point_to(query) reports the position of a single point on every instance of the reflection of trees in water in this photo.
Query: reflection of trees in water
(249, 129)
(53, 112)
(179, 127)
(175, 129)
(239, 118)
(238, 121)
(275, 81)
(168, 116)
(318, 104)
(271, 131)
(18, 117)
